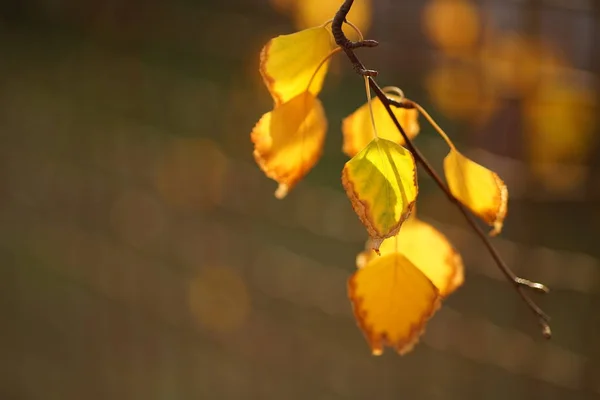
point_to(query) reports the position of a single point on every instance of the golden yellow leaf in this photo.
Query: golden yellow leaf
(428, 249)
(478, 188)
(392, 301)
(288, 141)
(288, 63)
(381, 183)
(357, 127)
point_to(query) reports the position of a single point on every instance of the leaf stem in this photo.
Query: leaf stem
(369, 102)
(432, 122)
(518, 283)
(395, 90)
(323, 61)
(358, 32)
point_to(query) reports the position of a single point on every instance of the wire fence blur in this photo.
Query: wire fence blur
(143, 255)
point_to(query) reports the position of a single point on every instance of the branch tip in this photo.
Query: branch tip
(347, 45)
(546, 331)
(362, 43)
(539, 287)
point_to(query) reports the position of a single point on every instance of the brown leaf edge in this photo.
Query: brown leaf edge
(454, 259)
(362, 210)
(348, 146)
(494, 218)
(498, 219)
(377, 341)
(458, 277)
(268, 80)
(262, 150)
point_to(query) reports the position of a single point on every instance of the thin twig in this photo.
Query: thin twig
(348, 46)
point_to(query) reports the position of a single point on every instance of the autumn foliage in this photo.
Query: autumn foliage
(408, 267)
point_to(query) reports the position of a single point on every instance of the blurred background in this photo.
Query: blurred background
(144, 256)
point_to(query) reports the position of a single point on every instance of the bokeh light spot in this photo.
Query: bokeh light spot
(452, 25)
(219, 299)
(560, 120)
(310, 13)
(315, 12)
(191, 174)
(461, 92)
(517, 63)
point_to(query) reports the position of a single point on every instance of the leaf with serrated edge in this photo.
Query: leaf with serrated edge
(428, 249)
(288, 141)
(381, 183)
(478, 188)
(288, 62)
(392, 301)
(357, 126)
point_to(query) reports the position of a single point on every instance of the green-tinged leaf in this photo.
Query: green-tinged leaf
(381, 183)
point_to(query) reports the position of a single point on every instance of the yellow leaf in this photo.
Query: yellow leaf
(381, 183)
(478, 188)
(357, 127)
(288, 141)
(392, 301)
(428, 249)
(288, 63)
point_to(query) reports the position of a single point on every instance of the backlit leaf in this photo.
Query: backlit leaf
(288, 63)
(392, 301)
(357, 127)
(478, 188)
(381, 183)
(428, 249)
(288, 141)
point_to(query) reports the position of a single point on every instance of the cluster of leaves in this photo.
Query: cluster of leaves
(408, 267)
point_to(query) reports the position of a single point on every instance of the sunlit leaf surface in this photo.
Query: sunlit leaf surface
(428, 249)
(288, 63)
(381, 184)
(288, 141)
(392, 301)
(358, 131)
(478, 188)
